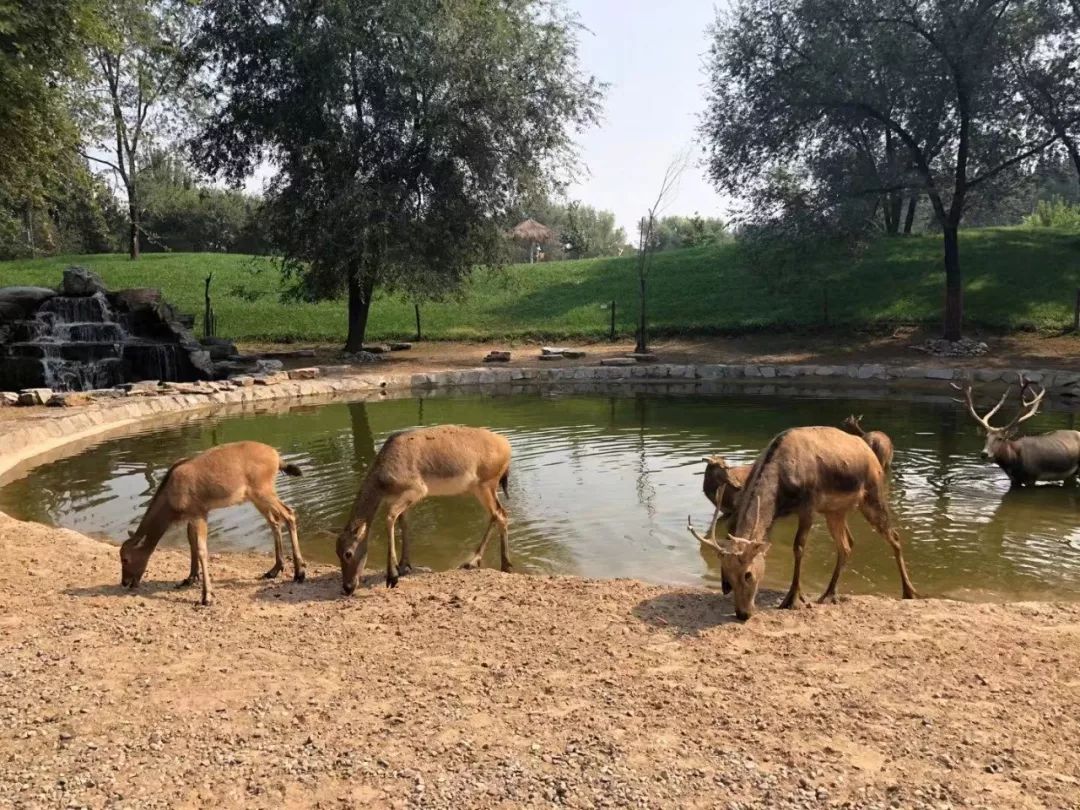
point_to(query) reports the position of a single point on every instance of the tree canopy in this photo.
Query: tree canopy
(403, 131)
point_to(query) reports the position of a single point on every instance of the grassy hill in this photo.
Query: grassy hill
(1016, 278)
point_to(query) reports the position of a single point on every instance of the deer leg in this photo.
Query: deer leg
(405, 564)
(842, 537)
(288, 517)
(876, 512)
(794, 596)
(394, 511)
(711, 534)
(193, 571)
(274, 522)
(204, 559)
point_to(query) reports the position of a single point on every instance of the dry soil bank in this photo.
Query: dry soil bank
(478, 689)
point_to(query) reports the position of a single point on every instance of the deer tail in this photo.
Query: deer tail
(290, 469)
(504, 482)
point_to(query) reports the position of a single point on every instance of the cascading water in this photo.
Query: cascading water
(78, 341)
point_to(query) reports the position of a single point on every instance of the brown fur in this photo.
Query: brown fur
(410, 466)
(879, 442)
(722, 486)
(222, 476)
(803, 471)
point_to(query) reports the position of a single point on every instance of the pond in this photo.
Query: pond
(601, 486)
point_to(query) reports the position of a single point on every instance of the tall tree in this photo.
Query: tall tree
(403, 131)
(135, 100)
(936, 77)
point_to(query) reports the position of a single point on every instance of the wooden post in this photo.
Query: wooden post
(419, 336)
(612, 334)
(1076, 312)
(208, 313)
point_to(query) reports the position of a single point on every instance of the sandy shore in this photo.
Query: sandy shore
(478, 689)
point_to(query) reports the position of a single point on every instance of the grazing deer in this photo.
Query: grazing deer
(410, 466)
(1053, 456)
(803, 471)
(225, 475)
(879, 442)
(722, 486)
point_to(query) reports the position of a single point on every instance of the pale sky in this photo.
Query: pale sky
(651, 53)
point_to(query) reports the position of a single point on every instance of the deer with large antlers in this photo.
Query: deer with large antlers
(803, 471)
(410, 466)
(879, 442)
(1053, 456)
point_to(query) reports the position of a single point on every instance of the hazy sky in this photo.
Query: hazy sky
(651, 53)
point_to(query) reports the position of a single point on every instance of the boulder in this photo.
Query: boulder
(219, 348)
(18, 303)
(618, 361)
(642, 357)
(242, 380)
(79, 281)
(552, 350)
(497, 357)
(69, 399)
(377, 348)
(551, 356)
(400, 346)
(8, 398)
(136, 298)
(573, 354)
(34, 396)
(309, 373)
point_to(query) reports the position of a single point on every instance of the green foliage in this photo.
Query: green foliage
(405, 131)
(588, 231)
(674, 232)
(1020, 277)
(1055, 213)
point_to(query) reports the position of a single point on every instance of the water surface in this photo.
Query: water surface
(601, 486)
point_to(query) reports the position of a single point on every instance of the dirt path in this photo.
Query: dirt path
(478, 689)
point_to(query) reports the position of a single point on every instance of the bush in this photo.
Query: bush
(1055, 213)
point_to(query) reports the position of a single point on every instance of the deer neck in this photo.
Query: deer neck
(366, 504)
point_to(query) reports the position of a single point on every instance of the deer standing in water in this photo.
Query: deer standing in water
(225, 475)
(879, 442)
(410, 466)
(1053, 456)
(803, 471)
(722, 486)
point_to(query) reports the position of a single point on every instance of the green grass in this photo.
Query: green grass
(1016, 278)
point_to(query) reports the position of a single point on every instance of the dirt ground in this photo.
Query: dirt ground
(479, 689)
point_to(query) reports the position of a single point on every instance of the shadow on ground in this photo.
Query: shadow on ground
(691, 612)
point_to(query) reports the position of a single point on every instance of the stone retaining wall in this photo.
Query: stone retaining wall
(23, 439)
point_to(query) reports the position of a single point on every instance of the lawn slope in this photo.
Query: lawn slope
(1016, 278)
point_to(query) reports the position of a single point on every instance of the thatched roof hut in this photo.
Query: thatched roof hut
(532, 231)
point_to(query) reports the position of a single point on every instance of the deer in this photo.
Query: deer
(802, 471)
(722, 486)
(1053, 456)
(879, 442)
(443, 460)
(222, 476)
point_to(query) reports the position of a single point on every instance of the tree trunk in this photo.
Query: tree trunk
(360, 292)
(133, 216)
(909, 220)
(642, 331)
(894, 204)
(954, 284)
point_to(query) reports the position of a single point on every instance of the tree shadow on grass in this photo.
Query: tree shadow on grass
(691, 612)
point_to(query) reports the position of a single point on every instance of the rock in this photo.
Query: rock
(965, 347)
(939, 374)
(242, 380)
(69, 399)
(141, 387)
(377, 348)
(8, 398)
(309, 373)
(573, 354)
(79, 281)
(34, 396)
(272, 379)
(642, 357)
(362, 357)
(618, 361)
(401, 346)
(266, 365)
(550, 356)
(333, 370)
(219, 348)
(135, 298)
(497, 357)
(17, 303)
(552, 350)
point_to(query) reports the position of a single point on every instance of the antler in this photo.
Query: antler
(705, 541)
(967, 400)
(1028, 407)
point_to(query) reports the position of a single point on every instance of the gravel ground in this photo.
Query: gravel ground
(478, 689)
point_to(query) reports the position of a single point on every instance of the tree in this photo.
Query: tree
(647, 243)
(935, 78)
(587, 232)
(135, 97)
(41, 46)
(676, 232)
(403, 131)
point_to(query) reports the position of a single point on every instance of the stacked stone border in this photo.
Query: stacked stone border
(21, 440)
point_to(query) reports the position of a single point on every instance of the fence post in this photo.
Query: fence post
(209, 327)
(419, 336)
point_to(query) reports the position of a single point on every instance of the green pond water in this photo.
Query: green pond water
(601, 486)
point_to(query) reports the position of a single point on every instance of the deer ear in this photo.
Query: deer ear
(757, 548)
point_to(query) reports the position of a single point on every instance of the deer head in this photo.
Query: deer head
(996, 436)
(742, 566)
(853, 425)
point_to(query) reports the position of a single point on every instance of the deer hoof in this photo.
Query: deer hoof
(272, 573)
(470, 564)
(507, 568)
(207, 600)
(299, 576)
(186, 583)
(391, 581)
